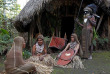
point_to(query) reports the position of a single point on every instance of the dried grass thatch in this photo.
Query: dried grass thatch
(75, 63)
(27, 13)
(43, 67)
(104, 5)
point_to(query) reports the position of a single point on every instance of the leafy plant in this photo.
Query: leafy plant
(102, 41)
(8, 10)
(47, 39)
(99, 41)
(26, 54)
(5, 40)
(95, 37)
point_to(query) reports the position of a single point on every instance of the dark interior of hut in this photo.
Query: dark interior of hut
(61, 20)
(67, 26)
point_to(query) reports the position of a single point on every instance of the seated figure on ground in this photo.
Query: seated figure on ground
(43, 61)
(14, 63)
(68, 57)
(39, 48)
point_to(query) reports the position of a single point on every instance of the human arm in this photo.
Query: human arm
(43, 54)
(45, 50)
(68, 45)
(77, 21)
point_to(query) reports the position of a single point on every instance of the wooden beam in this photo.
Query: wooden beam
(30, 35)
(39, 24)
(99, 22)
(109, 32)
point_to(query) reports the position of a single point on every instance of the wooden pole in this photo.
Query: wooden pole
(39, 24)
(30, 38)
(99, 22)
(30, 35)
(109, 32)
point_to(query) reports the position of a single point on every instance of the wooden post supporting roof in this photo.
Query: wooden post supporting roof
(39, 24)
(109, 32)
(30, 35)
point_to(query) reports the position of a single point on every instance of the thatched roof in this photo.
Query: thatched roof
(33, 7)
(30, 9)
(107, 2)
(104, 5)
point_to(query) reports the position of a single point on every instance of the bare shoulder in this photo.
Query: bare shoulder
(77, 45)
(34, 46)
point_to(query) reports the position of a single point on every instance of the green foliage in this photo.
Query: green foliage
(94, 42)
(95, 36)
(5, 40)
(47, 38)
(78, 28)
(26, 54)
(8, 10)
(102, 41)
(97, 40)
(3, 31)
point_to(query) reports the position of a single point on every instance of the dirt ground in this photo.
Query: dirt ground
(100, 64)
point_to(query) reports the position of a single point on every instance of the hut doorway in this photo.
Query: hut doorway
(67, 26)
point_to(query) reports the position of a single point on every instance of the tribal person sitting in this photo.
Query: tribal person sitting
(41, 57)
(74, 61)
(39, 48)
(14, 63)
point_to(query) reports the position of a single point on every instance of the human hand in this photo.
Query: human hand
(59, 55)
(41, 58)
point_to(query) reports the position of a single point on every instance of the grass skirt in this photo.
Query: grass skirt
(42, 67)
(75, 63)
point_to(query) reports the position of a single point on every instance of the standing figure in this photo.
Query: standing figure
(14, 63)
(87, 31)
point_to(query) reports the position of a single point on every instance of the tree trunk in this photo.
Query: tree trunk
(39, 25)
(109, 32)
(30, 36)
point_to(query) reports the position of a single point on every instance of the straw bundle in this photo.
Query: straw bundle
(75, 63)
(43, 67)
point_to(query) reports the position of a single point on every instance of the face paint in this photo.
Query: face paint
(85, 20)
(86, 13)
